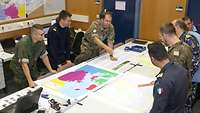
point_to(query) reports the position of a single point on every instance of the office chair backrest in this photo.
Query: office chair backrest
(8, 45)
(77, 43)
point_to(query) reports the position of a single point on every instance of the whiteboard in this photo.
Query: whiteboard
(53, 6)
(33, 5)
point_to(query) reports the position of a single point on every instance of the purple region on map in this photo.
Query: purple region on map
(73, 76)
(12, 11)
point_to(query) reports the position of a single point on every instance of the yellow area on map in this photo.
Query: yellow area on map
(58, 82)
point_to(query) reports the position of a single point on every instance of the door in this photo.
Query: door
(154, 13)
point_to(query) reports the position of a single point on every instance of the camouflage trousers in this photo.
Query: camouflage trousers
(20, 77)
(192, 97)
(86, 54)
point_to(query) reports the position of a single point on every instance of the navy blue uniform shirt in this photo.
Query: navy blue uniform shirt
(170, 90)
(58, 45)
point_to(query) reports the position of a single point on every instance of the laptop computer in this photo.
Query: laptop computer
(25, 104)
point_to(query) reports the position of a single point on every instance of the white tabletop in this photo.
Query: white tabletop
(121, 95)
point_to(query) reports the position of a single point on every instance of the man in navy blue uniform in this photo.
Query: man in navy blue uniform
(58, 38)
(171, 87)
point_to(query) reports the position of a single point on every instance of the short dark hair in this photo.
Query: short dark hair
(182, 25)
(104, 12)
(157, 50)
(168, 28)
(63, 15)
(187, 18)
(36, 27)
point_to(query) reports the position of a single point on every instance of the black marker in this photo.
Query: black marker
(79, 104)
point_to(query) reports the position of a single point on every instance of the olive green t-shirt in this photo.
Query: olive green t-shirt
(27, 52)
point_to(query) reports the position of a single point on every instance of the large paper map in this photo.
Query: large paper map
(12, 9)
(78, 83)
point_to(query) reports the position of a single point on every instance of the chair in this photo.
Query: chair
(2, 79)
(8, 45)
(76, 47)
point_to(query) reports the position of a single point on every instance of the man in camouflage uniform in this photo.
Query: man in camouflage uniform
(191, 40)
(182, 32)
(28, 50)
(99, 36)
(180, 52)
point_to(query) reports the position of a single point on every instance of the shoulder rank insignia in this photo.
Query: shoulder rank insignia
(188, 36)
(176, 53)
(94, 31)
(54, 29)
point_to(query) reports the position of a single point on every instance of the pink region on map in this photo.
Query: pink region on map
(12, 11)
(73, 76)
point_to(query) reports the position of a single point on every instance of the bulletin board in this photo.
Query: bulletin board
(22, 9)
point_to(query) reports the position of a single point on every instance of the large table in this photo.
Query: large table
(121, 95)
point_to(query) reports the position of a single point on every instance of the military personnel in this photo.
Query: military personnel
(188, 21)
(59, 42)
(171, 87)
(178, 51)
(192, 29)
(182, 32)
(100, 35)
(191, 40)
(28, 50)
